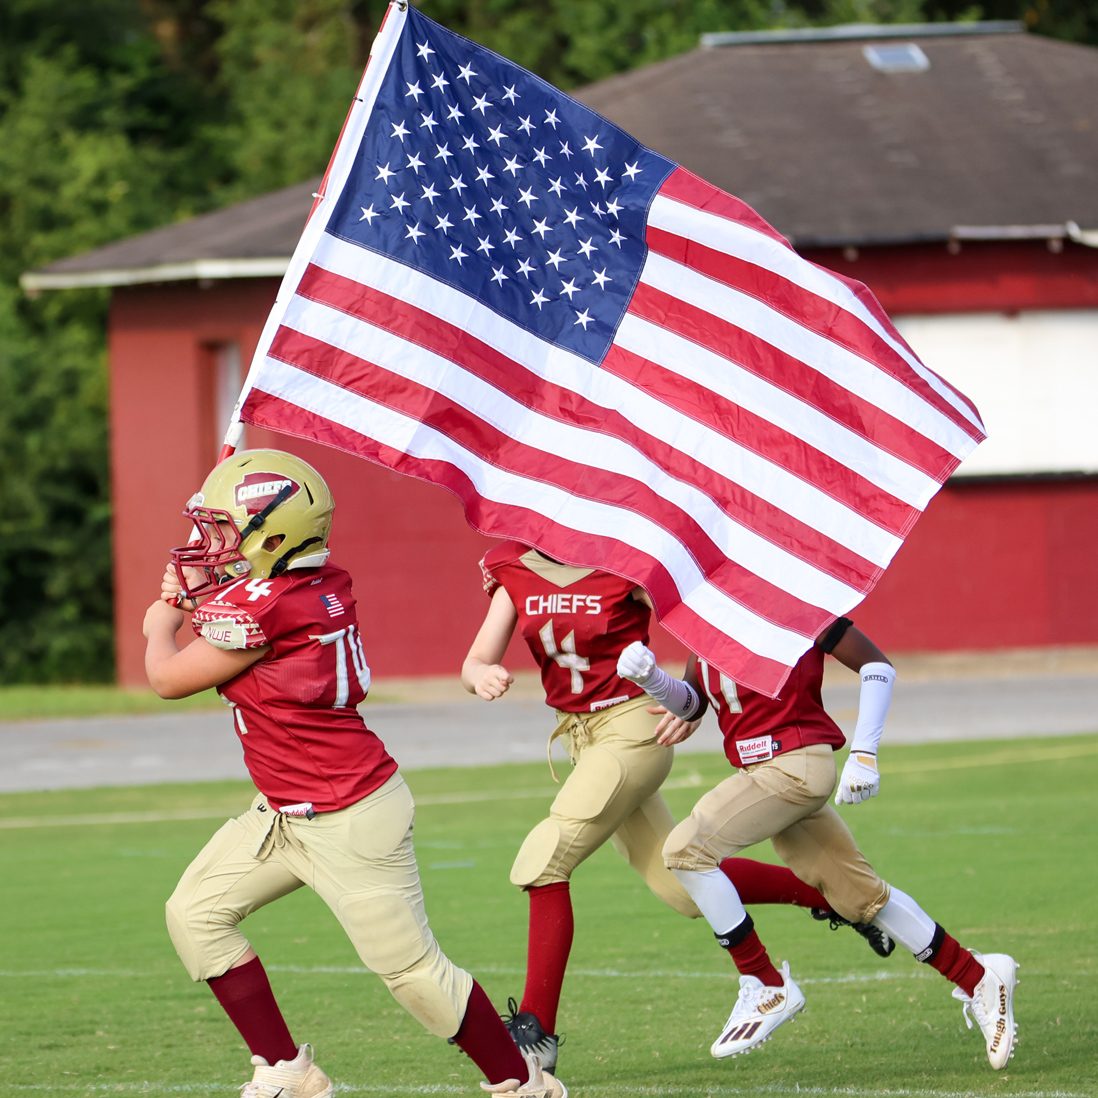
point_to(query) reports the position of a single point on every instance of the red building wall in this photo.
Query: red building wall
(991, 564)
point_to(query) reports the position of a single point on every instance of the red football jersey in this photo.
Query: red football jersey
(576, 622)
(756, 728)
(304, 742)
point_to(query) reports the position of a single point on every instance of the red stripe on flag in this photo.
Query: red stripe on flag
(493, 447)
(262, 409)
(811, 312)
(791, 375)
(684, 186)
(770, 442)
(566, 405)
(792, 299)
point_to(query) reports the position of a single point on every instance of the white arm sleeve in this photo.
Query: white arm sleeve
(873, 702)
(675, 695)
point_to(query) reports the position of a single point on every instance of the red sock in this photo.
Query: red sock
(762, 883)
(955, 963)
(751, 959)
(548, 945)
(484, 1038)
(246, 997)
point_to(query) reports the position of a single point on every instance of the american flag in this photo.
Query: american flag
(332, 605)
(601, 354)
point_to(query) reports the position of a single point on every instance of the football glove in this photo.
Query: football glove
(859, 781)
(637, 664)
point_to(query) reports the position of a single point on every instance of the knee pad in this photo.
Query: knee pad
(206, 948)
(434, 991)
(681, 849)
(392, 938)
(537, 853)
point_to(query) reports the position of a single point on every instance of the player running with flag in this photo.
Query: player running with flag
(277, 634)
(783, 751)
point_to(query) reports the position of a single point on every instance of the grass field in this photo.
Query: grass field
(996, 840)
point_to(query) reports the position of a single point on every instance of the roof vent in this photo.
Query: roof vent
(896, 57)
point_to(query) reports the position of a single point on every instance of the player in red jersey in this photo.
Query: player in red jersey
(576, 621)
(783, 753)
(277, 634)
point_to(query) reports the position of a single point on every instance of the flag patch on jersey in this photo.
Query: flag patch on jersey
(332, 605)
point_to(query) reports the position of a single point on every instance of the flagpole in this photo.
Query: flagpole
(339, 162)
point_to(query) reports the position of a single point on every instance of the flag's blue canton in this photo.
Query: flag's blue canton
(480, 174)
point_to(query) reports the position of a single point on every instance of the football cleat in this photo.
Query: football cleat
(296, 1078)
(527, 1032)
(878, 940)
(992, 1006)
(540, 1084)
(759, 1010)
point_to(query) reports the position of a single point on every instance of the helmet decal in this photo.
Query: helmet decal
(256, 490)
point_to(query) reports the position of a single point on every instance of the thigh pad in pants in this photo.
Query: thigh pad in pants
(753, 804)
(821, 850)
(613, 776)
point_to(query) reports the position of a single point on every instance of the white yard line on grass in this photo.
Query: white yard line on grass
(718, 973)
(1009, 756)
(610, 1091)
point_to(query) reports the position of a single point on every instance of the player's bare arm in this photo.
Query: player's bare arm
(177, 673)
(482, 673)
(854, 650)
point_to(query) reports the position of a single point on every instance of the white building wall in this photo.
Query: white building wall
(1032, 375)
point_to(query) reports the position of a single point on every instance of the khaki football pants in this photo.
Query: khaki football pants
(611, 793)
(787, 800)
(361, 863)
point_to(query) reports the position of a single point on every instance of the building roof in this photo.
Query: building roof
(1000, 129)
(252, 239)
(949, 131)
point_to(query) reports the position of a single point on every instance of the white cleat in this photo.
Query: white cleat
(992, 1006)
(296, 1078)
(540, 1084)
(759, 1010)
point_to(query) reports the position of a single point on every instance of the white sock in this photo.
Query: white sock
(716, 897)
(903, 920)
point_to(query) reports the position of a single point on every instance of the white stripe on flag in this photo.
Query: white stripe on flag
(846, 368)
(391, 428)
(603, 453)
(701, 443)
(743, 242)
(707, 368)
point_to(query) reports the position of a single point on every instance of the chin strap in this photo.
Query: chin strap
(284, 561)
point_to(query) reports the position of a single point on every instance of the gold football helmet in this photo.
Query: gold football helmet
(259, 513)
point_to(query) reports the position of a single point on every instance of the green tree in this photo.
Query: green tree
(89, 152)
(286, 72)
